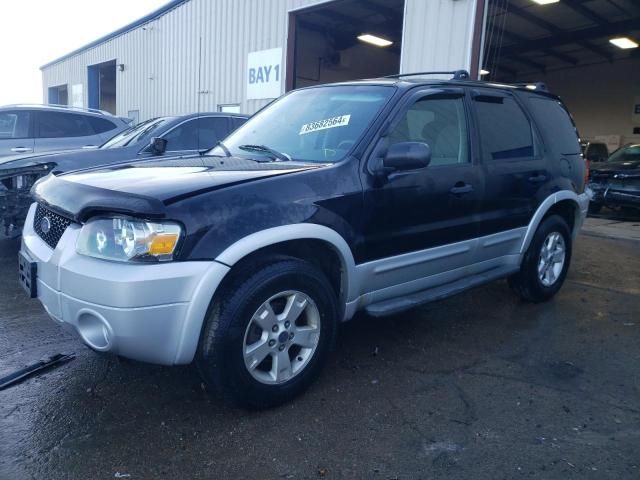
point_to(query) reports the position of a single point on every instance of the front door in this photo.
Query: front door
(411, 211)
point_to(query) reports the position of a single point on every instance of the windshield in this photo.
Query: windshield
(134, 134)
(313, 125)
(628, 153)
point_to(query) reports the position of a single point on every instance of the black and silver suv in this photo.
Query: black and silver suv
(374, 195)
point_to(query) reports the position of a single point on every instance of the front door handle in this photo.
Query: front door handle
(21, 149)
(461, 188)
(537, 178)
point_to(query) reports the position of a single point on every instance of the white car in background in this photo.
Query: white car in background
(26, 129)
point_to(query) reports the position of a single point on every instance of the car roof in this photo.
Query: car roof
(58, 108)
(211, 114)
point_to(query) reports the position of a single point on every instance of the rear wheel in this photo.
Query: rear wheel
(545, 263)
(267, 338)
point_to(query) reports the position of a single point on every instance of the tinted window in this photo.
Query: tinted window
(237, 121)
(439, 122)
(597, 152)
(198, 134)
(556, 125)
(183, 137)
(505, 131)
(101, 125)
(14, 124)
(57, 124)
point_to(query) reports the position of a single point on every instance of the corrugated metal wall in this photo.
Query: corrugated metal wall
(162, 73)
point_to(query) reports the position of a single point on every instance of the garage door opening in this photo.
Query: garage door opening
(344, 40)
(58, 95)
(102, 86)
(576, 48)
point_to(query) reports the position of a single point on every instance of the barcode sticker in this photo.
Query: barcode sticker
(340, 121)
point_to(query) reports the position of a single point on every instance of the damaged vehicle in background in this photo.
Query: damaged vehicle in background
(616, 182)
(179, 135)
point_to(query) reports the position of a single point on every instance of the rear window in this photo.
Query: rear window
(505, 130)
(556, 125)
(101, 125)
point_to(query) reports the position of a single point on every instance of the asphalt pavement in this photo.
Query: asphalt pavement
(478, 386)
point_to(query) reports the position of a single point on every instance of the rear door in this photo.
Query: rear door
(16, 132)
(514, 168)
(63, 131)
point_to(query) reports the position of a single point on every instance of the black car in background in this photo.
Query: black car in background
(179, 135)
(616, 182)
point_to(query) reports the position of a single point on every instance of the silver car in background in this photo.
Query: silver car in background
(26, 129)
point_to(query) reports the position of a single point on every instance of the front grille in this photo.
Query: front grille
(57, 225)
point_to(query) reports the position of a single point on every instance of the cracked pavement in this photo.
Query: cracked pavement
(477, 386)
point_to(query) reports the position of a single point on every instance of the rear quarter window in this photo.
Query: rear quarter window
(556, 125)
(101, 125)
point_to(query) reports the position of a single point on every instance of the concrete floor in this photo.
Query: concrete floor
(479, 386)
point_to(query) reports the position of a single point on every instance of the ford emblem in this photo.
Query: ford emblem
(45, 225)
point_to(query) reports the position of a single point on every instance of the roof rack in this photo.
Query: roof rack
(53, 105)
(538, 86)
(457, 74)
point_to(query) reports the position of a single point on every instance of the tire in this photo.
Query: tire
(233, 327)
(594, 207)
(528, 283)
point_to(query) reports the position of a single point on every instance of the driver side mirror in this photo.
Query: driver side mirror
(158, 145)
(407, 156)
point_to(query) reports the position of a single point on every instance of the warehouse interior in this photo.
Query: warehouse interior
(345, 40)
(102, 86)
(579, 49)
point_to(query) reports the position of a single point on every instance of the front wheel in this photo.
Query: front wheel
(545, 263)
(266, 339)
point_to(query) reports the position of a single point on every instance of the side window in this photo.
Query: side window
(237, 121)
(505, 131)
(555, 123)
(58, 124)
(101, 125)
(183, 137)
(439, 122)
(14, 124)
(212, 130)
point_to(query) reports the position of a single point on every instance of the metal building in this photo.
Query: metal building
(237, 55)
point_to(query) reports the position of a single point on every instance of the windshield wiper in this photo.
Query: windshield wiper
(275, 154)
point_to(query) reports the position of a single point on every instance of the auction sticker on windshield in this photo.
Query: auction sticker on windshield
(340, 121)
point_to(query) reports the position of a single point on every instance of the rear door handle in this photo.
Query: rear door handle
(537, 178)
(21, 149)
(461, 188)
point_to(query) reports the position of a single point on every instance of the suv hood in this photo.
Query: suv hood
(146, 188)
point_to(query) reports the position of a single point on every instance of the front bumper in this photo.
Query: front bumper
(147, 312)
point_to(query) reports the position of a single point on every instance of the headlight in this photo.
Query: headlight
(124, 239)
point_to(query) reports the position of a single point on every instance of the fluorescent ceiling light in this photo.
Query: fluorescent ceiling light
(373, 40)
(545, 2)
(623, 42)
(484, 72)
